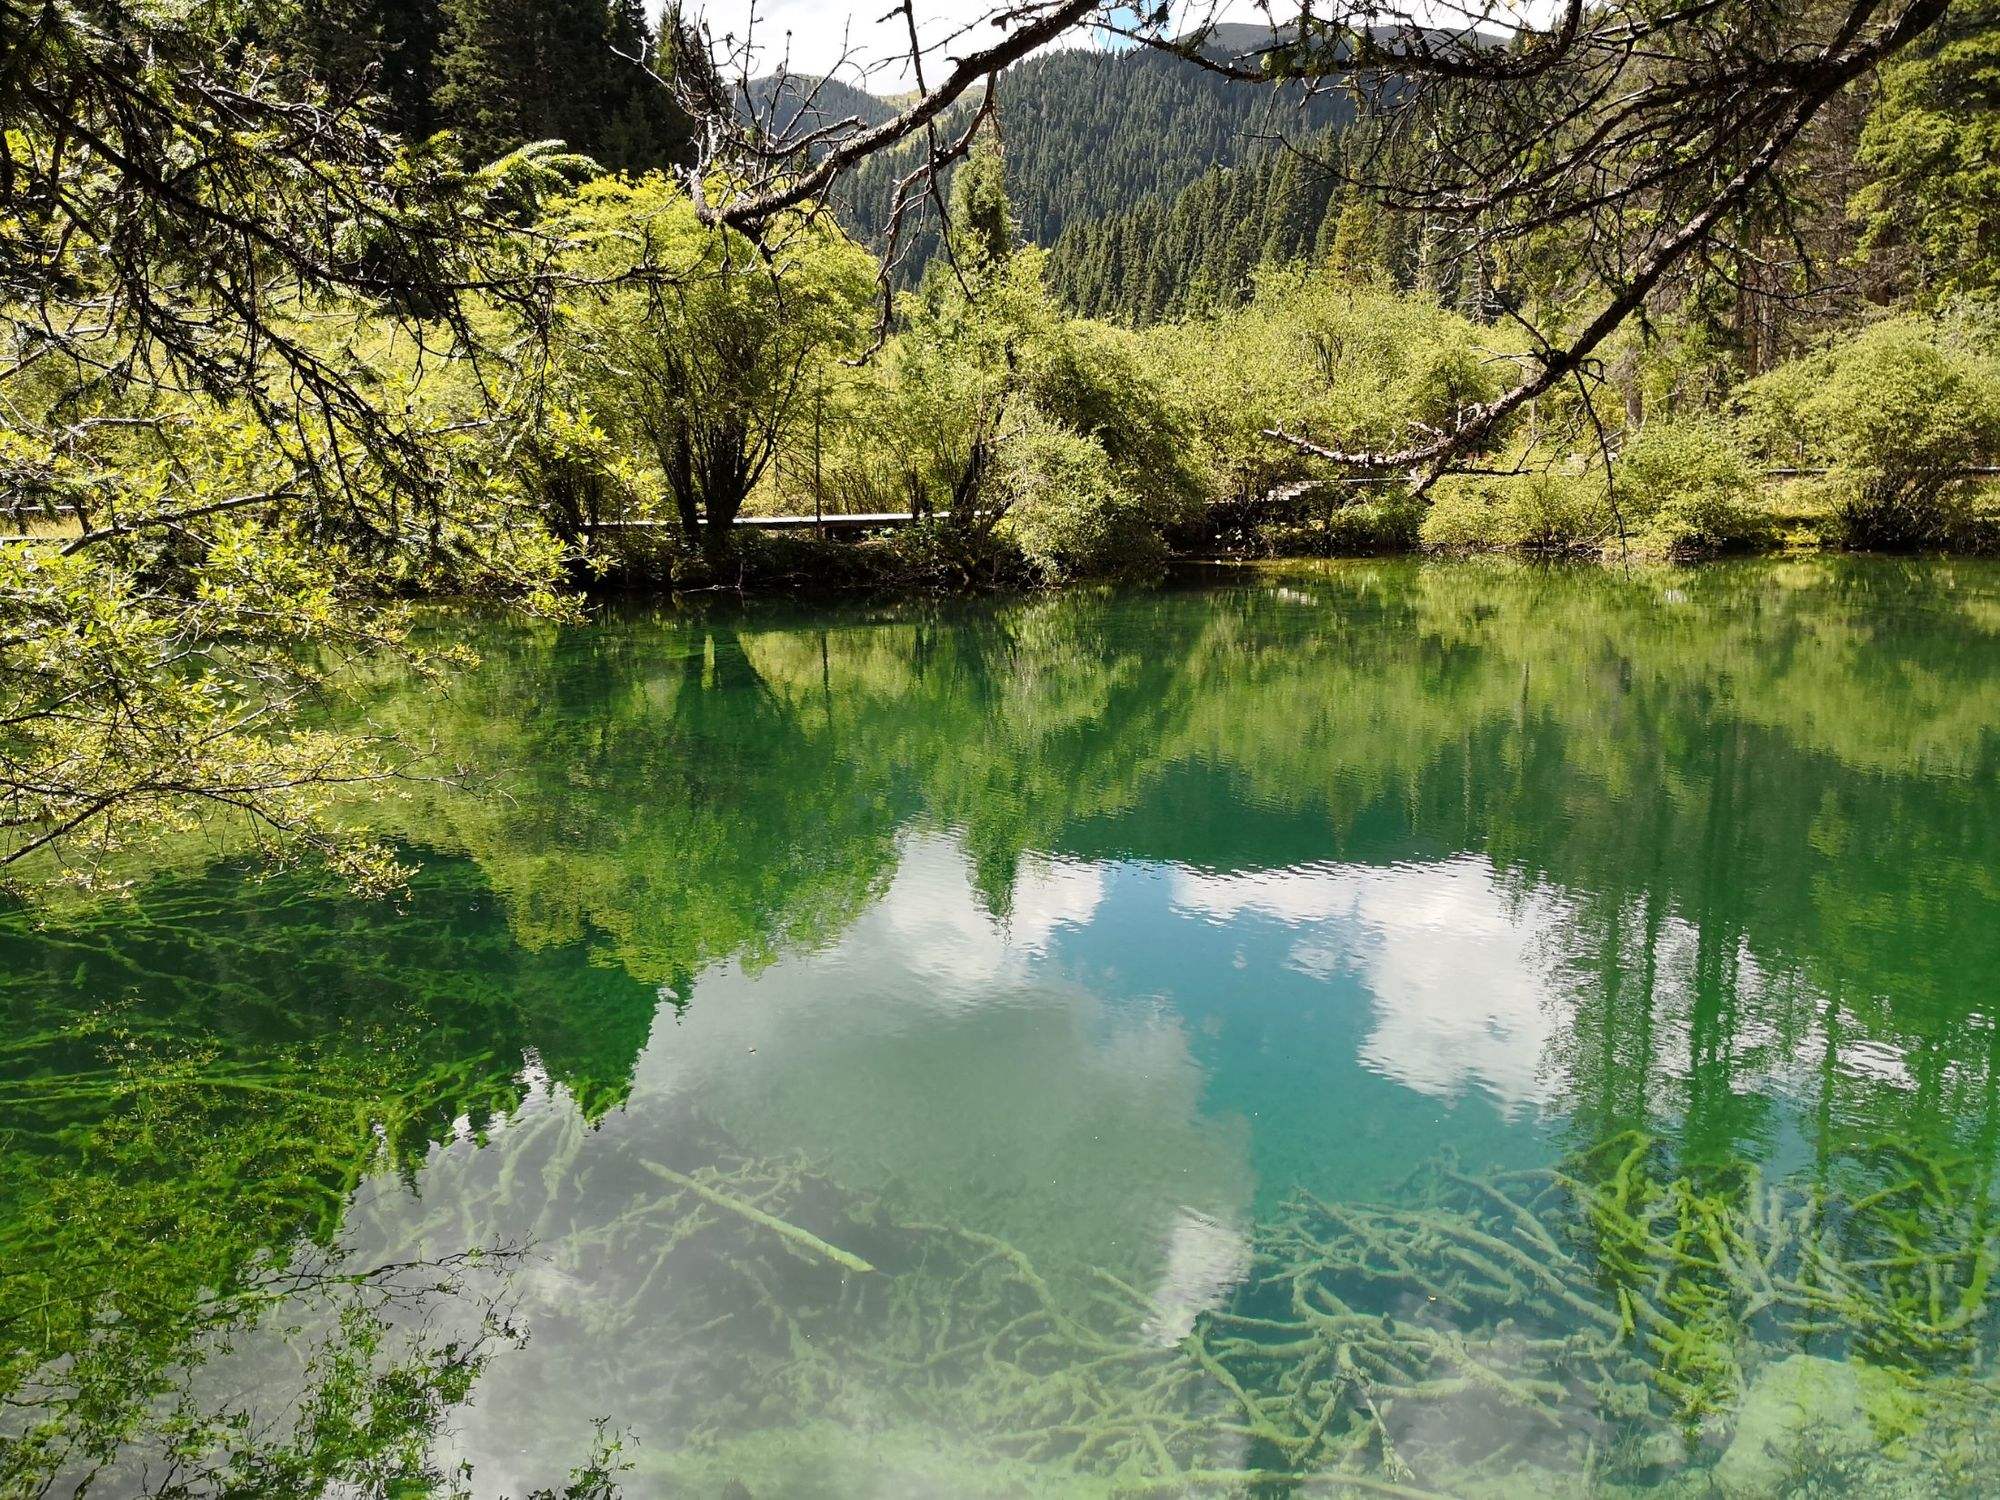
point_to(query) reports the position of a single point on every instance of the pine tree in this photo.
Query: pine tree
(525, 70)
(411, 32)
(1354, 251)
(386, 49)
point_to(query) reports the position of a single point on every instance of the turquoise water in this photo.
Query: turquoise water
(1451, 1029)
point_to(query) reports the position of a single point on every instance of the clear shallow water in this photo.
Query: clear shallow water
(1465, 1029)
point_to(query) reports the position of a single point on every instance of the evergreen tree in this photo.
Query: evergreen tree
(515, 71)
(1354, 249)
(1933, 145)
(411, 32)
(384, 48)
(1198, 250)
(982, 218)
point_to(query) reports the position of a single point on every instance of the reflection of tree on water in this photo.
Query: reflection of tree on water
(1702, 778)
(191, 1089)
(1827, 931)
(655, 799)
(1795, 770)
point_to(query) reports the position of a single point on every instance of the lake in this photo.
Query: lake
(1378, 1028)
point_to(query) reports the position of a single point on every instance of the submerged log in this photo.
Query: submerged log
(803, 1238)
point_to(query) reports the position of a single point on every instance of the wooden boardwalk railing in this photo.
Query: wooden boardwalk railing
(870, 520)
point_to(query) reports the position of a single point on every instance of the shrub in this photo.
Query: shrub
(1687, 489)
(934, 553)
(1537, 512)
(1895, 415)
(1363, 529)
(1348, 365)
(1068, 510)
(1095, 381)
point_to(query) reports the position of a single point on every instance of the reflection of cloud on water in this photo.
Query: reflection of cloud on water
(1474, 983)
(930, 917)
(945, 1055)
(1049, 894)
(1449, 959)
(1205, 1260)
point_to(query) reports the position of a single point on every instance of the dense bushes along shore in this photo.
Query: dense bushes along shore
(1047, 447)
(685, 376)
(1085, 450)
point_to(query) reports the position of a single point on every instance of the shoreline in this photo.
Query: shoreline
(874, 569)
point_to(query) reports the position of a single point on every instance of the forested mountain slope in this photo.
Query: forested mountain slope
(1090, 133)
(1094, 133)
(796, 103)
(1196, 249)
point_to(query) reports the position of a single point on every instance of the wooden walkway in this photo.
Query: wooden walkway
(858, 521)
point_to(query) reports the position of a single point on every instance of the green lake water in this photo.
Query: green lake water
(1380, 1028)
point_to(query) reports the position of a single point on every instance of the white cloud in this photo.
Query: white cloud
(1461, 1000)
(865, 44)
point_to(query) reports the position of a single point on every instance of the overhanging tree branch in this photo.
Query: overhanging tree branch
(770, 194)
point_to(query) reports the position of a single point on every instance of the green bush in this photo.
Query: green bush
(1536, 512)
(1895, 416)
(1364, 529)
(1068, 510)
(932, 555)
(1686, 489)
(1095, 381)
(937, 554)
(1348, 365)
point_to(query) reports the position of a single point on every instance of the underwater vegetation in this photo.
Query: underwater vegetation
(1616, 1320)
(1603, 1322)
